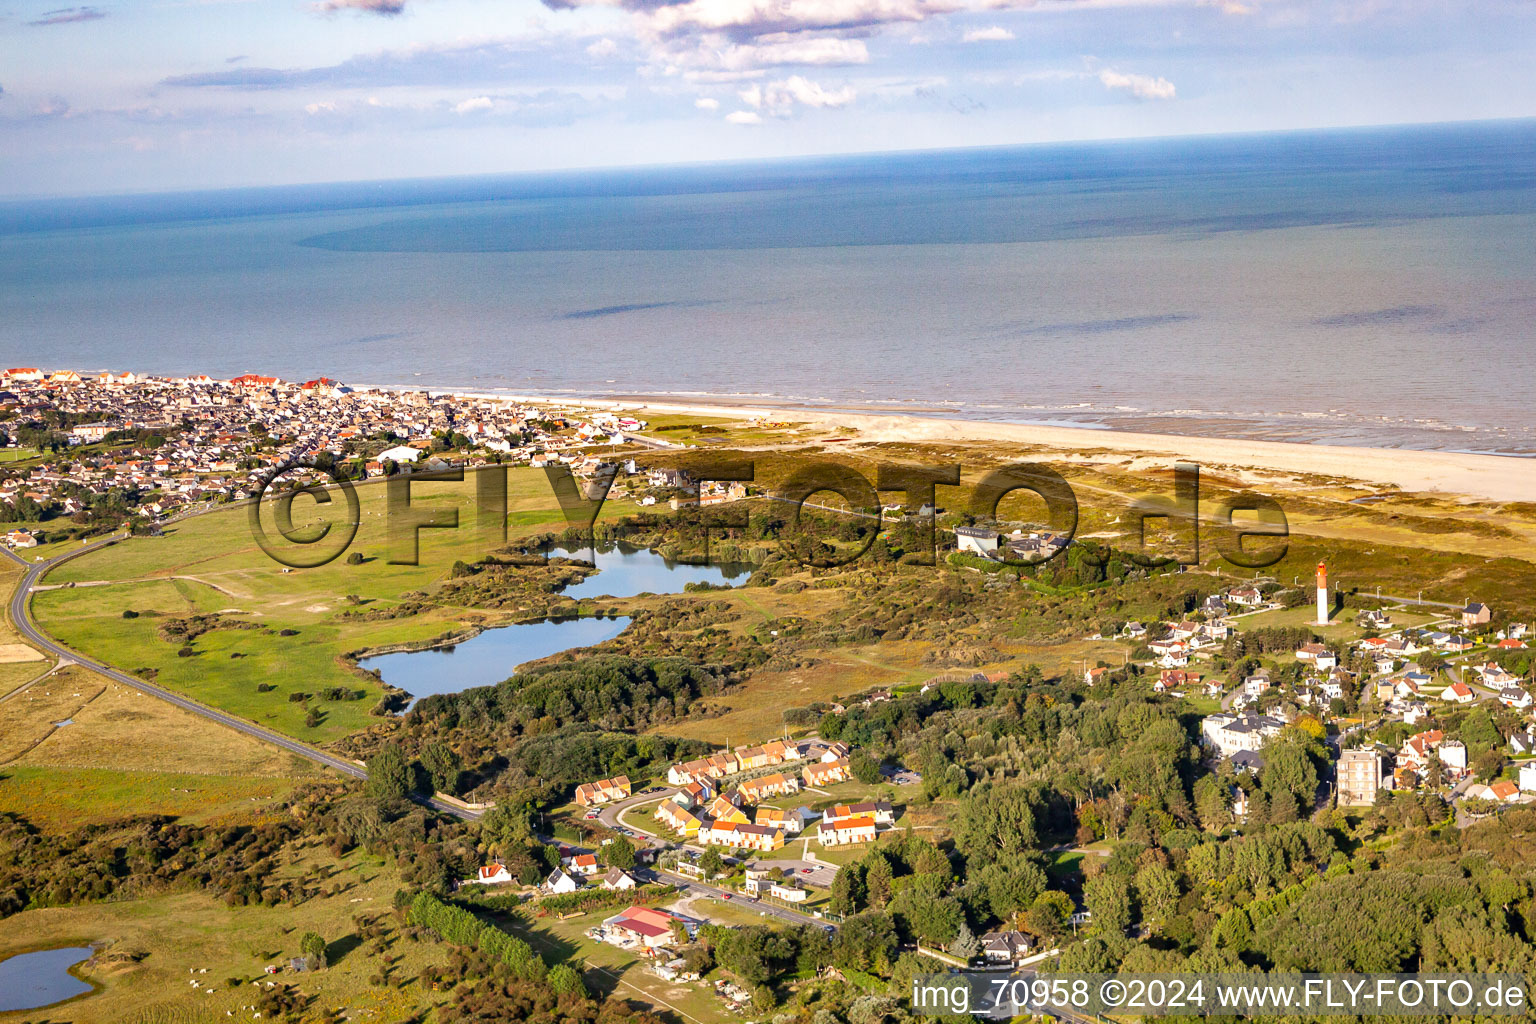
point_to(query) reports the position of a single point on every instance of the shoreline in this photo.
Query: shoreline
(1464, 474)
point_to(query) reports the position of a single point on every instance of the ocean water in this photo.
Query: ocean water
(1363, 287)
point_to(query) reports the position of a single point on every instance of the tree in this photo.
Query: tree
(1048, 916)
(443, 767)
(965, 946)
(620, 854)
(712, 863)
(847, 890)
(566, 981)
(865, 768)
(866, 942)
(389, 774)
(1109, 901)
(878, 881)
(1211, 803)
(312, 946)
(1157, 889)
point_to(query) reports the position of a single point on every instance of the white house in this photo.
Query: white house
(1528, 776)
(491, 874)
(976, 541)
(560, 882)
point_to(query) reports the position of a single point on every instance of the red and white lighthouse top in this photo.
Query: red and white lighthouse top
(1322, 575)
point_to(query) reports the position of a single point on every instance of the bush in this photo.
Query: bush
(129, 613)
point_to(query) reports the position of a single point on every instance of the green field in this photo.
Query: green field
(61, 799)
(211, 564)
(152, 949)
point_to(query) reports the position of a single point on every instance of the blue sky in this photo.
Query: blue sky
(150, 95)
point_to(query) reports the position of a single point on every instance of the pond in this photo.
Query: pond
(32, 980)
(489, 658)
(624, 572)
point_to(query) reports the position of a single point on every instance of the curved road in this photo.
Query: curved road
(21, 617)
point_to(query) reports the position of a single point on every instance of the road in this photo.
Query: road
(21, 617)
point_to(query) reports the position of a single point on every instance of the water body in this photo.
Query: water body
(32, 980)
(490, 657)
(625, 572)
(1364, 286)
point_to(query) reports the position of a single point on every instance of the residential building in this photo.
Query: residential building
(1361, 775)
(851, 830)
(604, 791)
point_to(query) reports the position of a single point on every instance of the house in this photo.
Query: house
(772, 817)
(723, 808)
(560, 882)
(617, 878)
(1318, 655)
(881, 812)
(1528, 776)
(1230, 733)
(1257, 684)
(1453, 754)
(605, 791)
(755, 791)
(1495, 675)
(1418, 747)
(851, 830)
(679, 819)
(1504, 791)
(742, 836)
(1514, 697)
(1248, 597)
(20, 539)
(1458, 693)
(1522, 744)
(584, 864)
(1174, 679)
(827, 773)
(694, 794)
(977, 541)
(1475, 614)
(1093, 675)
(645, 927)
(1004, 948)
(491, 874)
(835, 751)
(789, 892)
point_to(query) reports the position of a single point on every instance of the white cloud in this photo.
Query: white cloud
(995, 34)
(780, 98)
(744, 117)
(604, 47)
(707, 103)
(473, 106)
(1143, 87)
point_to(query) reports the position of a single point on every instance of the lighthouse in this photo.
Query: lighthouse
(1322, 594)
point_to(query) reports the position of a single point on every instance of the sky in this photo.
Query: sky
(150, 95)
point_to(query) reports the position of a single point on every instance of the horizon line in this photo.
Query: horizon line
(35, 199)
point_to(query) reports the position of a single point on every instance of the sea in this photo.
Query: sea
(1365, 286)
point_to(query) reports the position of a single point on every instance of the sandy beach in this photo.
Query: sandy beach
(1485, 477)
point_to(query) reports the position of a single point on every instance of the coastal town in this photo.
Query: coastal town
(894, 815)
(94, 447)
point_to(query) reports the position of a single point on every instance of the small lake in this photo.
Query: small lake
(32, 980)
(624, 572)
(489, 658)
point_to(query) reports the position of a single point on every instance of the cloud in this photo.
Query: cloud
(707, 103)
(1143, 87)
(995, 34)
(744, 117)
(68, 15)
(744, 20)
(604, 47)
(384, 8)
(780, 98)
(466, 65)
(475, 105)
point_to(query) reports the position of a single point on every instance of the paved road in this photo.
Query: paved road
(21, 617)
